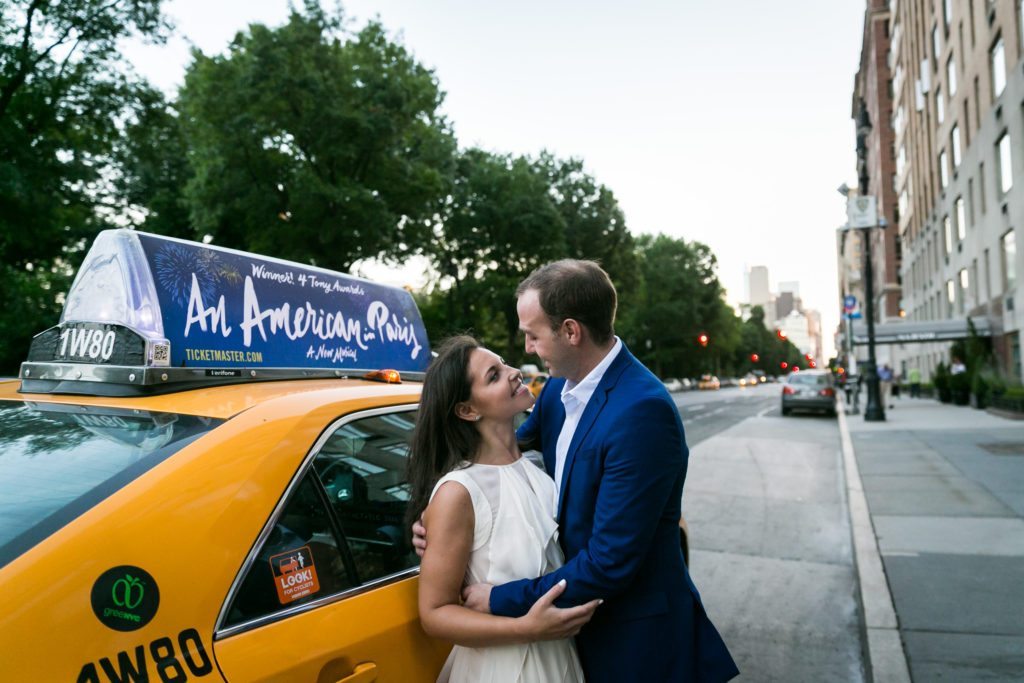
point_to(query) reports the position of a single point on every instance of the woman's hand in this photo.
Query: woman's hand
(544, 621)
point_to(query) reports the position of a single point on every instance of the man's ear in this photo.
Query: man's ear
(573, 331)
(464, 411)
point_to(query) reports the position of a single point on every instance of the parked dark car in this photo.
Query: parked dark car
(809, 390)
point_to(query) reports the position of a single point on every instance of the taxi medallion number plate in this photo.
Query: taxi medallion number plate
(94, 343)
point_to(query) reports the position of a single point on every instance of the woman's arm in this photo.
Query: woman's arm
(451, 521)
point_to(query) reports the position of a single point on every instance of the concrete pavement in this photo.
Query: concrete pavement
(942, 514)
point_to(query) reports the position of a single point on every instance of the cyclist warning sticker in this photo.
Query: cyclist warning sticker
(294, 575)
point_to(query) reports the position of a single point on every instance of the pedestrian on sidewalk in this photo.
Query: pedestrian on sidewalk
(914, 375)
(885, 377)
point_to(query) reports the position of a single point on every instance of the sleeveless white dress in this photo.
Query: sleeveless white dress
(515, 537)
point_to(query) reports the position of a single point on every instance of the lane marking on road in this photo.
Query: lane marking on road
(696, 407)
(766, 411)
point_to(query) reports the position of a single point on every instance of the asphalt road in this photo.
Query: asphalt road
(770, 541)
(706, 413)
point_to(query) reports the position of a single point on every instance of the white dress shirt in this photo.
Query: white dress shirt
(575, 398)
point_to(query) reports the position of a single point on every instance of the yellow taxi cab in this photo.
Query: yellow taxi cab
(709, 382)
(202, 475)
(536, 383)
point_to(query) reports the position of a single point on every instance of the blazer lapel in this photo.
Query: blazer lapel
(594, 407)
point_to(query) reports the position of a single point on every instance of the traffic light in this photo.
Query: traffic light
(783, 365)
(754, 358)
(780, 334)
(703, 339)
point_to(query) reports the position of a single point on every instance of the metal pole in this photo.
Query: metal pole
(874, 411)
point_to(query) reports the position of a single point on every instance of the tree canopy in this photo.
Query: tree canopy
(316, 143)
(313, 145)
(63, 99)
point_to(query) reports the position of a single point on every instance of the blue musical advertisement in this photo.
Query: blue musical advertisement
(224, 308)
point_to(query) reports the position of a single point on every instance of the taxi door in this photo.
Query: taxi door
(329, 591)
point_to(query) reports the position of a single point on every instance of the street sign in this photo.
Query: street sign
(849, 302)
(853, 316)
(862, 212)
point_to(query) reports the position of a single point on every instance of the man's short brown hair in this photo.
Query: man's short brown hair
(575, 289)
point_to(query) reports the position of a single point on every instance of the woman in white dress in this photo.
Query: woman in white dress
(491, 518)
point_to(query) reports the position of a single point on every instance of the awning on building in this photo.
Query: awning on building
(906, 332)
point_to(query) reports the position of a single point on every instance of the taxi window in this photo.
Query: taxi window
(342, 527)
(58, 461)
(299, 562)
(363, 469)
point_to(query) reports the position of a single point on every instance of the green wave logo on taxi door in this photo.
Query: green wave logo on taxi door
(128, 591)
(125, 598)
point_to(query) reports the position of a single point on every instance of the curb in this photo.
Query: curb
(883, 647)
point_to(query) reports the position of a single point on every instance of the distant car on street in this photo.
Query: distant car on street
(672, 384)
(709, 382)
(811, 390)
(749, 380)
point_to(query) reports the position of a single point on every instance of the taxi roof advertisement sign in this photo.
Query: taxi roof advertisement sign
(224, 308)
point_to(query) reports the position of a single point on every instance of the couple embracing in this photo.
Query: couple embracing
(577, 572)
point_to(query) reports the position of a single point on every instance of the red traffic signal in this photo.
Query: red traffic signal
(780, 334)
(783, 365)
(754, 358)
(703, 339)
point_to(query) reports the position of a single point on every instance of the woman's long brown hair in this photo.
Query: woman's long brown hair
(441, 441)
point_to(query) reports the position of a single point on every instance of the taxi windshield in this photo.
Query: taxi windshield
(58, 461)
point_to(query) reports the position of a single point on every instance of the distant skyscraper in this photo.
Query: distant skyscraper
(760, 292)
(792, 287)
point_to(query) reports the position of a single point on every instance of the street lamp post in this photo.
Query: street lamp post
(874, 411)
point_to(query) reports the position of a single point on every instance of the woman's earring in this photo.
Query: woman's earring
(477, 418)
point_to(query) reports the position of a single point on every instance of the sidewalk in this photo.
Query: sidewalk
(944, 493)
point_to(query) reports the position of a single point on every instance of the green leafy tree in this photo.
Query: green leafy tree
(681, 299)
(595, 227)
(499, 224)
(153, 159)
(63, 98)
(315, 145)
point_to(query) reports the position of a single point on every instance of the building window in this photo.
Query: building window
(935, 48)
(948, 232)
(943, 170)
(950, 298)
(951, 76)
(1009, 258)
(977, 104)
(940, 111)
(988, 278)
(961, 221)
(981, 186)
(997, 62)
(1004, 163)
(970, 200)
(954, 138)
(974, 279)
(947, 13)
(964, 288)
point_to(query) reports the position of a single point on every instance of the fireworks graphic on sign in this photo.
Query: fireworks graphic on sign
(175, 266)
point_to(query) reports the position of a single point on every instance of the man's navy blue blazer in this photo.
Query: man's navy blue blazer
(618, 516)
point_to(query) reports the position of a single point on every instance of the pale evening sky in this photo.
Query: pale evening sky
(723, 122)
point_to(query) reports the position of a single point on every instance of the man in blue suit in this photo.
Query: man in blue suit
(614, 443)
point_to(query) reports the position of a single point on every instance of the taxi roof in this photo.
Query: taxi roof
(228, 400)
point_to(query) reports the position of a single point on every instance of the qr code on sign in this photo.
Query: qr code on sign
(161, 353)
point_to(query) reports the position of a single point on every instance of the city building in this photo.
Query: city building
(943, 85)
(759, 292)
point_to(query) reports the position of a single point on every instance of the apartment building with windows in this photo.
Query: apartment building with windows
(957, 116)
